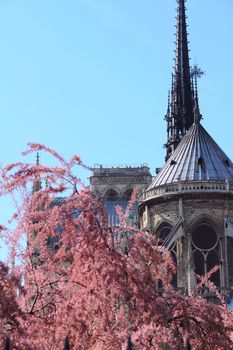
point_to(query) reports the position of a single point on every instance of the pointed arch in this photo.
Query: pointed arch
(205, 218)
(206, 246)
(111, 194)
(162, 231)
(162, 222)
(127, 193)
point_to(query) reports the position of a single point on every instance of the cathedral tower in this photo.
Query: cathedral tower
(115, 185)
(189, 204)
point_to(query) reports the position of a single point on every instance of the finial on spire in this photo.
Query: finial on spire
(37, 183)
(168, 102)
(37, 158)
(46, 183)
(196, 72)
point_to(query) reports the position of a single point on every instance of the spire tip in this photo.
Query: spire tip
(37, 158)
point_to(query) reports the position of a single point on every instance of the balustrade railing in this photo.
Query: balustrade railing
(185, 187)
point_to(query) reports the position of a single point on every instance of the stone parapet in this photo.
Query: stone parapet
(121, 171)
(207, 186)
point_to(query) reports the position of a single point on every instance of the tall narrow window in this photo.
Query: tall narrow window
(205, 247)
(111, 199)
(162, 233)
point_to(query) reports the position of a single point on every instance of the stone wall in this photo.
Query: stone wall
(212, 208)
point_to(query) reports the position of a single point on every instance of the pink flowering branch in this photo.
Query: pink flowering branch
(66, 277)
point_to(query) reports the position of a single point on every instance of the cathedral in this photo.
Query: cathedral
(189, 204)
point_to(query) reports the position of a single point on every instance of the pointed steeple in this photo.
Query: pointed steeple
(37, 158)
(196, 110)
(37, 183)
(180, 116)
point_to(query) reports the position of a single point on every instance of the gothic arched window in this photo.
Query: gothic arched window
(205, 247)
(162, 233)
(111, 195)
(127, 194)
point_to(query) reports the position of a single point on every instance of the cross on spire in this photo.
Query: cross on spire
(196, 73)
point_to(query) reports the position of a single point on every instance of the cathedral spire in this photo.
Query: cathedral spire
(180, 117)
(37, 183)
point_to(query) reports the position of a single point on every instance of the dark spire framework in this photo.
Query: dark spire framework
(180, 113)
(37, 183)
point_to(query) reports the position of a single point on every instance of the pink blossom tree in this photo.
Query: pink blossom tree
(10, 311)
(78, 282)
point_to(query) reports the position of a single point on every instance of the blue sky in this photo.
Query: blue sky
(90, 77)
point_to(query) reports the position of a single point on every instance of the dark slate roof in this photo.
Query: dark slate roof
(196, 158)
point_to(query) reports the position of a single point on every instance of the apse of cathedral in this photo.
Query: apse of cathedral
(189, 204)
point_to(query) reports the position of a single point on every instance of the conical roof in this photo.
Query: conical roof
(196, 158)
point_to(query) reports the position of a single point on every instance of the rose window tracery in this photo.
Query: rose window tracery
(205, 247)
